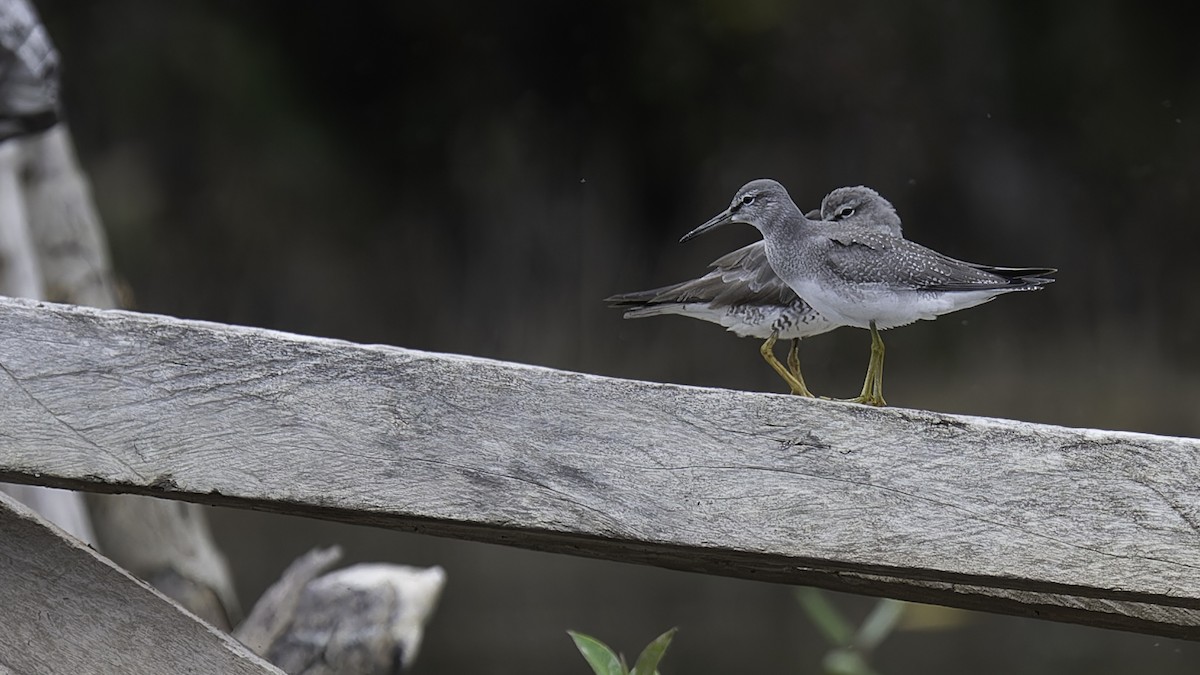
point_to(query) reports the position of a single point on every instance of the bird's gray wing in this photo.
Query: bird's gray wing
(742, 277)
(869, 257)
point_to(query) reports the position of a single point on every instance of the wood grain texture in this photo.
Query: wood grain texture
(984, 513)
(68, 610)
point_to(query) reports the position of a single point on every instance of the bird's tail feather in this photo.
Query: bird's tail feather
(643, 299)
(653, 310)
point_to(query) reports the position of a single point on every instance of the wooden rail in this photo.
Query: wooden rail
(1094, 527)
(67, 609)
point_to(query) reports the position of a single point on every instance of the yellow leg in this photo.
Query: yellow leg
(869, 380)
(793, 361)
(877, 353)
(872, 391)
(795, 383)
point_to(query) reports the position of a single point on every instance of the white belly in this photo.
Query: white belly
(861, 304)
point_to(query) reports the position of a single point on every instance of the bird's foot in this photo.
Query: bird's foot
(794, 379)
(801, 390)
(870, 399)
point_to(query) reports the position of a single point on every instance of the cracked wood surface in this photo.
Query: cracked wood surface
(66, 609)
(1095, 527)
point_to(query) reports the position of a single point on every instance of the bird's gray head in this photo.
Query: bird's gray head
(760, 203)
(861, 206)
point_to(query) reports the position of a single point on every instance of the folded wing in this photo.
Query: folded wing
(742, 277)
(898, 264)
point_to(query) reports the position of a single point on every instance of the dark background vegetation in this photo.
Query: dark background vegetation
(476, 177)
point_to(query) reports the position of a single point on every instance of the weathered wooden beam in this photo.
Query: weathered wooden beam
(1071, 524)
(68, 610)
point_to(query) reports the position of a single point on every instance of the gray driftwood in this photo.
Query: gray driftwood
(1070, 524)
(275, 608)
(366, 619)
(68, 610)
(168, 544)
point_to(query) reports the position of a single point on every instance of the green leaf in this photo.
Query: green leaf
(647, 662)
(603, 660)
(826, 617)
(879, 623)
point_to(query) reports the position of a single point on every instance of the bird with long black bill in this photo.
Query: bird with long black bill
(854, 275)
(742, 293)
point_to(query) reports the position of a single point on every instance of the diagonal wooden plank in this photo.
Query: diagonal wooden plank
(69, 610)
(939, 508)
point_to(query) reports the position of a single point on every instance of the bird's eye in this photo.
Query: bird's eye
(747, 200)
(844, 212)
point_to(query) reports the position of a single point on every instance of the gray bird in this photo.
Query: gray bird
(855, 275)
(743, 294)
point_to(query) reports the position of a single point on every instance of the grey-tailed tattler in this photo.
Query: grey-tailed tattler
(854, 275)
(742, 293)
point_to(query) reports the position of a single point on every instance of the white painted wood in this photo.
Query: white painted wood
(68, 610)
(992, 514)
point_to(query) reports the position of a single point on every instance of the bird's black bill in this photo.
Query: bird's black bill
(718, 220)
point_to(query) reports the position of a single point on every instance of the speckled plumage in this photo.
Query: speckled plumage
(741, 293)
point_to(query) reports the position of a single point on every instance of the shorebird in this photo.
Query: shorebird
(854, 275)
(743, 294)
